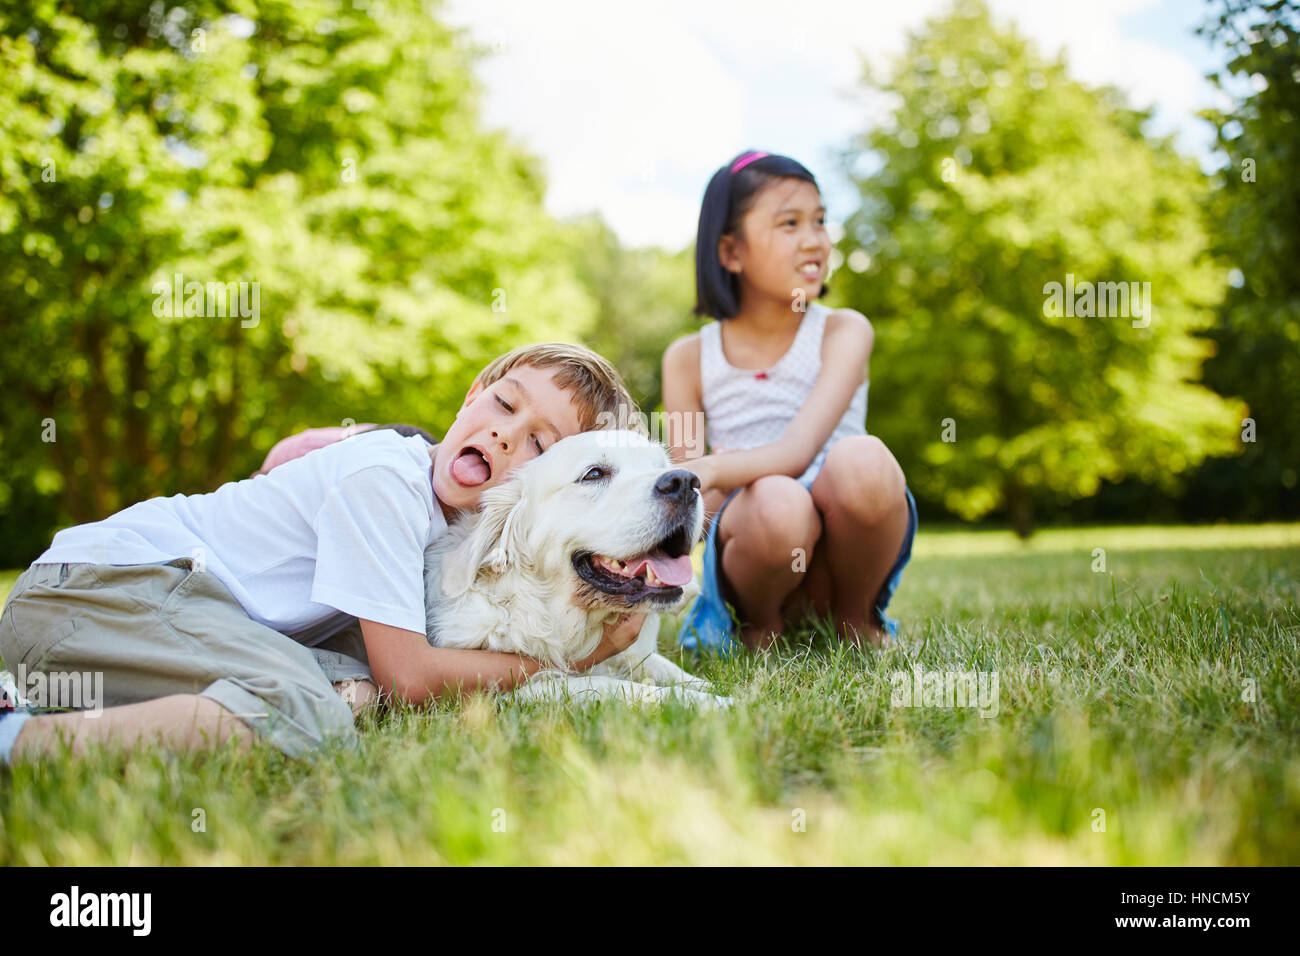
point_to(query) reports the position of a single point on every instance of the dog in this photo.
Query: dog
(602, 524)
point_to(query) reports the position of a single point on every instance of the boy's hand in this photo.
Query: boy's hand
(620, 633)
(623, 630)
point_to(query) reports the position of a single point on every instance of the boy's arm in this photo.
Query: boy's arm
(404, 664)
(846, 351)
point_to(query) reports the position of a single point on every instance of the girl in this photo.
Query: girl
(810, 513)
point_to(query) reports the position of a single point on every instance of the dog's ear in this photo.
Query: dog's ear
(497, 539)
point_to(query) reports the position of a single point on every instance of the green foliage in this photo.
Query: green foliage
(330, 152)
(643, 302)
(1256, 220)
(995, 175)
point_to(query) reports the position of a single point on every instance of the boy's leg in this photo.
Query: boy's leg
(342, 657)
(767, 536)
(182, 721)
(146, 632)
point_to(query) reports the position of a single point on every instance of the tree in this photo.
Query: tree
(643, 301)
(322, 162)
(1256, 216)
(996, 187)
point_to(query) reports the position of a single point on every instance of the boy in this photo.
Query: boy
(197, 610)
(295, 446)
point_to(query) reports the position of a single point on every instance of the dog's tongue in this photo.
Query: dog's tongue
(674, 572)
(469, 468)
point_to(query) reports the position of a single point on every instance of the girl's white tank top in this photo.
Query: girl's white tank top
(744, 408)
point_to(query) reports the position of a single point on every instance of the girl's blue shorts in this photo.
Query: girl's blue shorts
(708, 627)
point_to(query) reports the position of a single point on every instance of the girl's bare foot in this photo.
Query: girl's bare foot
(860, 633)
(758, 638)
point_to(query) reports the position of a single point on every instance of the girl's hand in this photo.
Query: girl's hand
(702, 468)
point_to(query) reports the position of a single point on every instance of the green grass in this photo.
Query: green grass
(1120, 693)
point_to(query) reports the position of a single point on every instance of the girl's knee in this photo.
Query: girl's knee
(776, 517)
(862, 478)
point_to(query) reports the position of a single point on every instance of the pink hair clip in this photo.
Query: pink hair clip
(745, 160)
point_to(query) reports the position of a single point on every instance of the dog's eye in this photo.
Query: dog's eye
(594, 473)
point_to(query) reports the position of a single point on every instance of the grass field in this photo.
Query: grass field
(1145, 714)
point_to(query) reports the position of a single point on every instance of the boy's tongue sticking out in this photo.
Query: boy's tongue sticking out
(470, 468)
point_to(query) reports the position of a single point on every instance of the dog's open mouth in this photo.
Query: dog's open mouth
(659, 573)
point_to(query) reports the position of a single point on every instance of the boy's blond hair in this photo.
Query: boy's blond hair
(597, 390)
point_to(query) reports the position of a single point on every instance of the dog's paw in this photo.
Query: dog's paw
(700, 698)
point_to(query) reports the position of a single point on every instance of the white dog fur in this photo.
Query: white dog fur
(519, 574)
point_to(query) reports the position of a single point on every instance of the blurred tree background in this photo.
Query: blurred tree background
(643, 300)
(329, 152)
(994, 176)
(1256, 226)
(332, 151)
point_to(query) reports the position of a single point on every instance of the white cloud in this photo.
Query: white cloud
(1098, 51)
(632, 106)
(617, 99)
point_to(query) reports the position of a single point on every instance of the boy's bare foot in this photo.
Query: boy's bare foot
(357, 694)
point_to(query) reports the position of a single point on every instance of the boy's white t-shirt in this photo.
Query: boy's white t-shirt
(343, 528)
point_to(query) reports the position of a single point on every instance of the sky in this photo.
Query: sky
(632, 105)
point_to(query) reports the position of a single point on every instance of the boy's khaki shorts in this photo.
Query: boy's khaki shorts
(153, 630)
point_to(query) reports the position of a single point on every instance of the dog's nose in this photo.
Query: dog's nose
(678, 483)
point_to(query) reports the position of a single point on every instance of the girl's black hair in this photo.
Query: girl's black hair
(727, 199)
